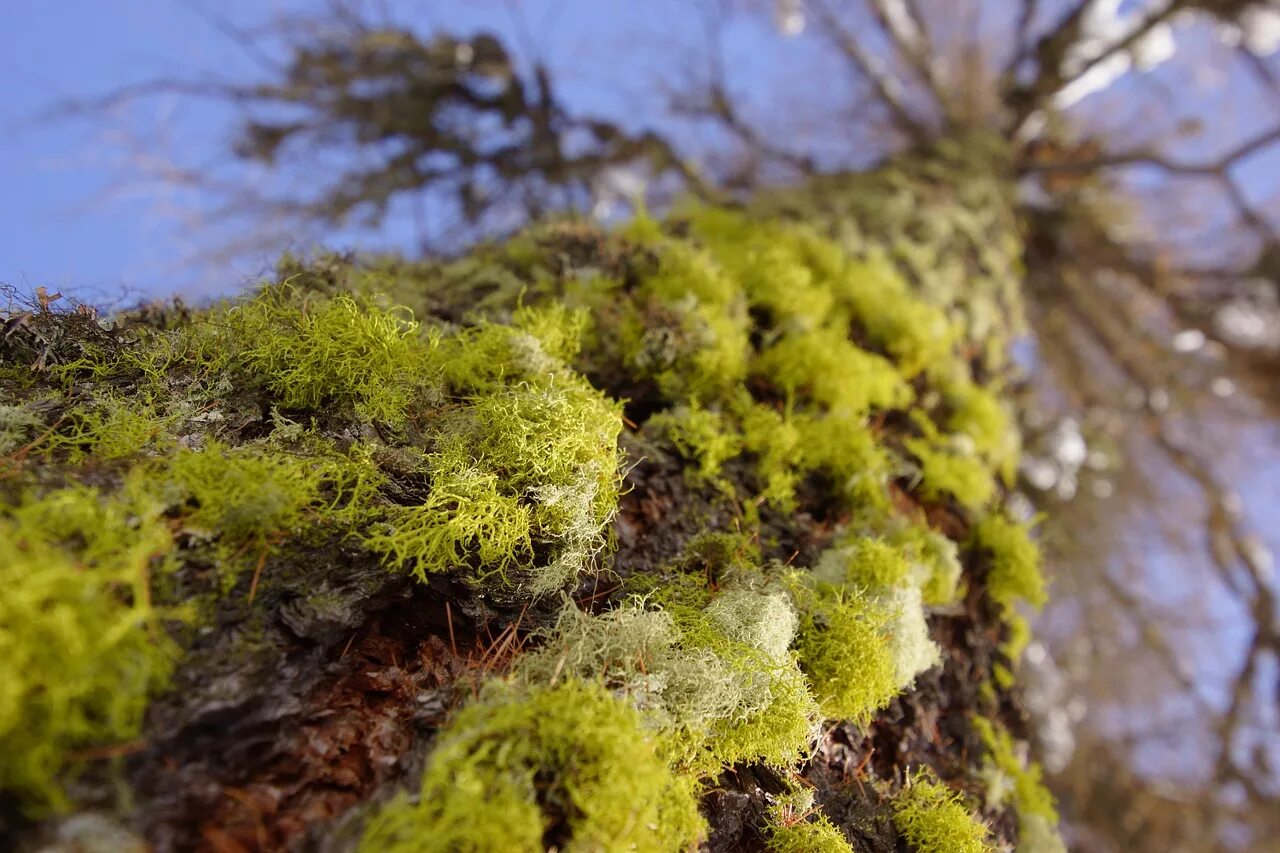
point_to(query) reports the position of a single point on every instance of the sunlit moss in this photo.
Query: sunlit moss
(517, 765)
(328, 351)
(701, 435)
(952, 472)
(81, 646)
(843, 648)
(933, 819)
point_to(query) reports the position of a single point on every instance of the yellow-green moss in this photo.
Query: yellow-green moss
(81, 647)
(1030, 796)
(796, 826)
(933, 819)
(952, 472)
(322, 352)
(843, 648)
(1015, 573)
(824, 366)
(519, 763)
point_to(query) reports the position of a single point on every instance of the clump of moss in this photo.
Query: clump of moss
(952, 471)
(976, 412)
(321, 352)
(828, 369)
(520, 766)
(81, 646)
(700, 434)
(1015, 562)
(844, 650)
(874, 568)
(796, 826)
(917, 334)
(524, 474)
(933, 819)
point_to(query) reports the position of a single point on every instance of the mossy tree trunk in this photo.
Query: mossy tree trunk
(690, 532)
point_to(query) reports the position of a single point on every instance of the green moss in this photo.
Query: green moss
(824, 367)
(518, 766)
(81, 647)
(934, 819)
(977, 413)
(952, 472)
(1030, 796)
(842, 449)
(775, 441)
(701, 435)
(796, 826)
(113, 428)
(843, 649)
(524, 481)
(917, 334)
(865, 562)
(321, 352)
(1015, 573)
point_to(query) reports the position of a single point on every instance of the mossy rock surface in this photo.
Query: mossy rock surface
(332, 563)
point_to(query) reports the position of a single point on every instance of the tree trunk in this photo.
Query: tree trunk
(348, 523)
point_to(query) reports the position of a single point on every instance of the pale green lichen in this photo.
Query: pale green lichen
(718, 682)
(517, 765)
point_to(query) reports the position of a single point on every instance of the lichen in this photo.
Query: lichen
(519, 766)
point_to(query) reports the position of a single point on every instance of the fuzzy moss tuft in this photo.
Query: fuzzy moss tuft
(796, 826)
(933, 819)
(519, 766)
(1015, 562)
(81, 647)
(315, 353)
(524, 474)
(843, 649)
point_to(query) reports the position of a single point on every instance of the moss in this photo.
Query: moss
(917, 334)
(701, 435)
(1030, 796)
(842, 449)
(843, 649)
(520, 766)
(317, 353)
(795, 826)
(113, 428)
(933, 819)
(775, 441)
(824, 367)
(866, 562)
(81, 646)
(1015, 573)
(952, 472)
(524, 483)
(977, 413)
